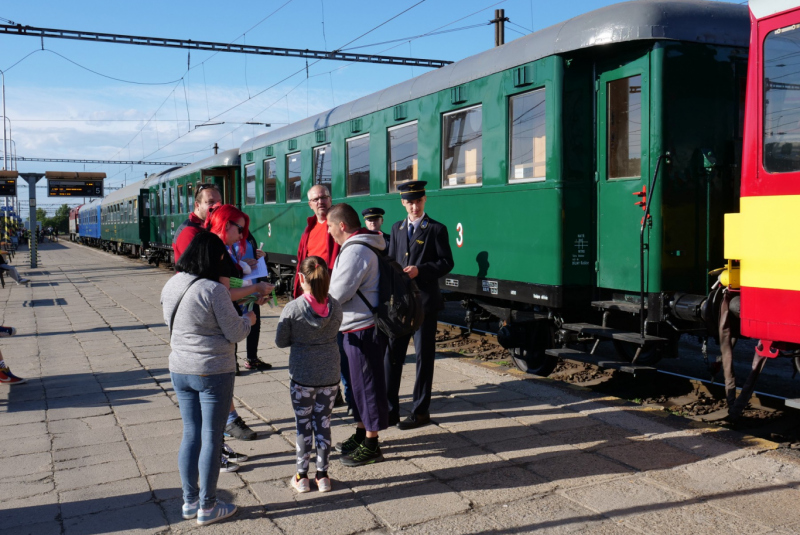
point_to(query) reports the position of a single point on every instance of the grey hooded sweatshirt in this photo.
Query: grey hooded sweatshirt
(356, 268)
(314, 354)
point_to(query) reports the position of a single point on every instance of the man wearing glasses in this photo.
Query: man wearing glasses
(315, 240)
(206, 198)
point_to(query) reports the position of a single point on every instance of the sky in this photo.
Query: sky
(85, 100)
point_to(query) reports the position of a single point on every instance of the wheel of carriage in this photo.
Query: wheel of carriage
(527, 345)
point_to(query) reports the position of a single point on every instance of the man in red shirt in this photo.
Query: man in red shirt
(207, 196)
(315, 240)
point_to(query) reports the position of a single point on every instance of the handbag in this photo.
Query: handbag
(172, 319)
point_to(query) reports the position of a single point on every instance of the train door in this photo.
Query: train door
(622, 169)
(225, 179)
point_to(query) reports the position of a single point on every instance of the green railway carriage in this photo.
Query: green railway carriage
(121, 220)
(536, 153)
(170, 197)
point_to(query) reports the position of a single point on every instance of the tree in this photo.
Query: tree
(59, 221)
(41, 215)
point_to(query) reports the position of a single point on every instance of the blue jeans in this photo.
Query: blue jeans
(204, 404)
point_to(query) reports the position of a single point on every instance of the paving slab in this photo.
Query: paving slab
(91, 442)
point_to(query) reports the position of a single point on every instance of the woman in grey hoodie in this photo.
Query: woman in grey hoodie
(309, 325)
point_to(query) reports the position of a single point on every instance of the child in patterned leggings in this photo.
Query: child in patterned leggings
(309, 325)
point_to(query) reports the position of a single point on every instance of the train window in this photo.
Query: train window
(624, 119)
(146, 207)
(528, 137)
(179, 198)
(781, 105)
(172, 201)
(157, 203)
(402, 154)
(322, 165)
(462, 150)
(189, 198)
(294, 171)
(135, 210)
(270, 181)
(358, 166)
(250, 181)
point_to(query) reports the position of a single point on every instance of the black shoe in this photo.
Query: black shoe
(363, 455)
(238, 429)
(257, 365)
(394, 419)
(340, 402)
(348, 446)
(414, 421)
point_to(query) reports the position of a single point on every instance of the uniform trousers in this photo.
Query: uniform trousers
(365, 353)
(425, 345)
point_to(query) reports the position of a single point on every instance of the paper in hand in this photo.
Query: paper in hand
(259, 271)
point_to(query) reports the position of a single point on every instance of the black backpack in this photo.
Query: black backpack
(399, 311)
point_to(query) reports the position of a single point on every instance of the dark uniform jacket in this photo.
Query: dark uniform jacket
(429, 250)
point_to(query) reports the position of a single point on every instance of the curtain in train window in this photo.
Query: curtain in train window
(782, 100)
(402, 154)
(462, 148)
(528, 137)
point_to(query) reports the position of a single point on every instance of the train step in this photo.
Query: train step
(608, 333)
(586, 358)
(621, 306)
(792, 403)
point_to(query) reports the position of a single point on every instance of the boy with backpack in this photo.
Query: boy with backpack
(355, 285)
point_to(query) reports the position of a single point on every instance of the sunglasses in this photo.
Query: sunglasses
(201, 187)
(240, 227)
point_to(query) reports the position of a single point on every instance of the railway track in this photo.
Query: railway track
(767, 416)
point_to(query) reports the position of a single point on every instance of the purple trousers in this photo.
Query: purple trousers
(365, 354)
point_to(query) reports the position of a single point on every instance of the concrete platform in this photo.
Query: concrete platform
(90, 444)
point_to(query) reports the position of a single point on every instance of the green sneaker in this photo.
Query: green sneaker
(348, 446)
(363, 455)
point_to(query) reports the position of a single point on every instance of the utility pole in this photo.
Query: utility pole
(499, 22)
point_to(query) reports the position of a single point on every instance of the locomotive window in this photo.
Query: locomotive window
(624, 127)
(462, 150)
(782, 101)
(250, 181)
(294, 170)
(528, 137)
(270, 181)
(322, 165)
(358, 166)
(402, 154)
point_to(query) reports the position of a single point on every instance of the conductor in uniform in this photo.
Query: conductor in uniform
(373, 219)
(422, 247)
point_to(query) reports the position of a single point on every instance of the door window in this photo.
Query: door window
(624, 124)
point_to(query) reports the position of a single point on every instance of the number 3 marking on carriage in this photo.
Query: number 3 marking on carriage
(269, 229)
(460, 238)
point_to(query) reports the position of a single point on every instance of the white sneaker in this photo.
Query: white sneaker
(301, 485)
(324, 484)
(227, 466)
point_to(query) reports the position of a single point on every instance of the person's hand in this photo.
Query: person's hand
(264, 288)
(252, 262)
(262, 300)
(260, 254)
(412, 271)
(250, 316)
